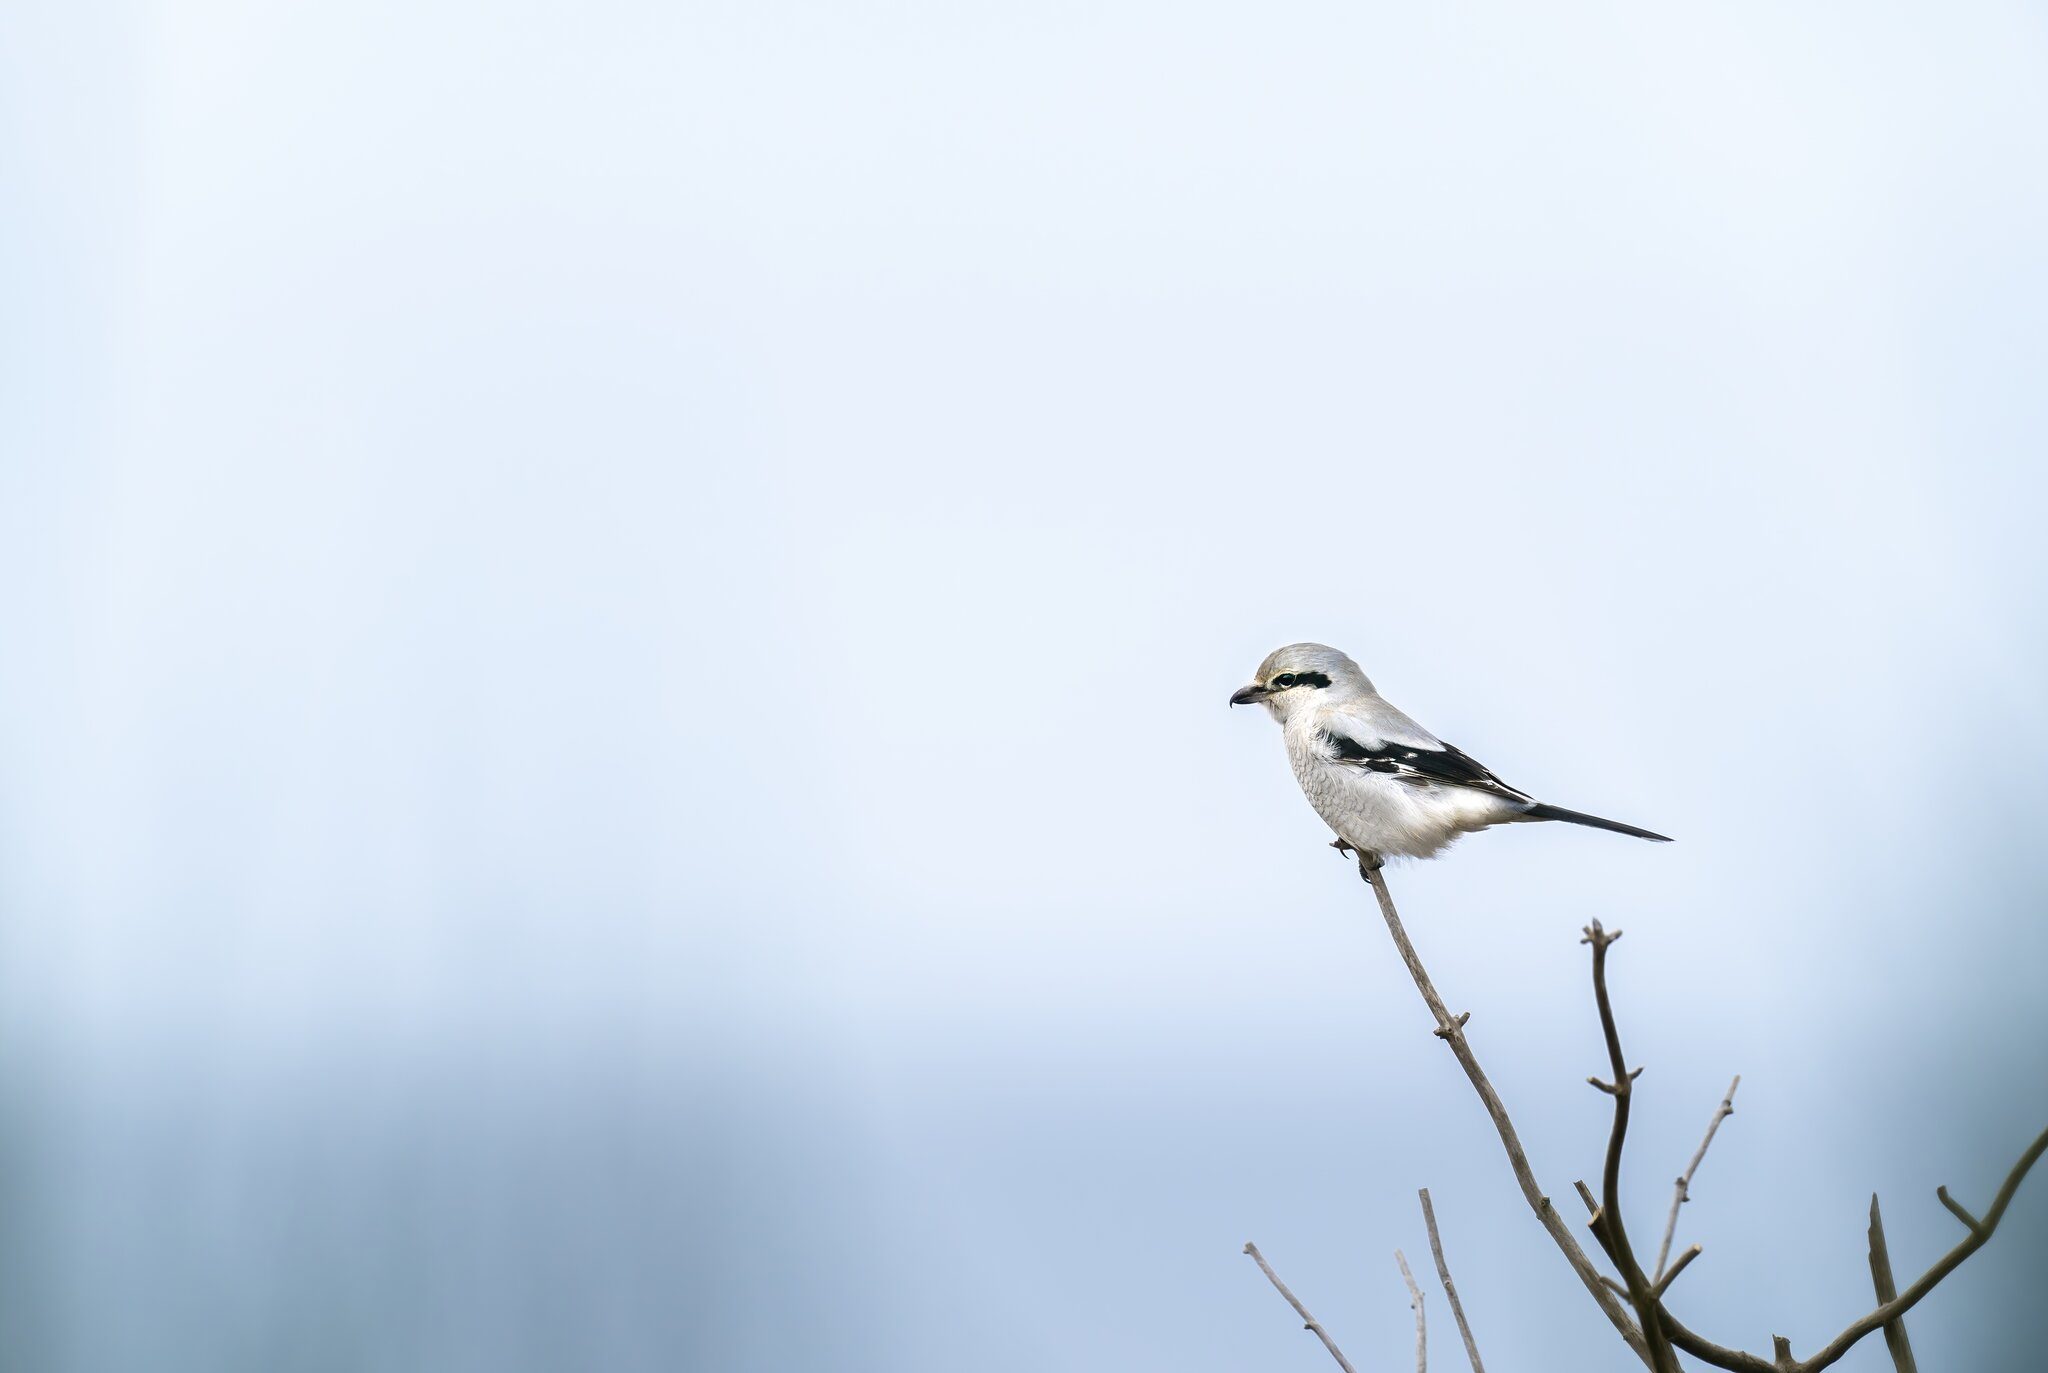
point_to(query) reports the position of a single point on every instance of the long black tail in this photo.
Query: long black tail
(1539, 811)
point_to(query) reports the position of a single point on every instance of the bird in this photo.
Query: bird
(1386, 785)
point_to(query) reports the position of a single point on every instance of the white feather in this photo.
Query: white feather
(1401, 791)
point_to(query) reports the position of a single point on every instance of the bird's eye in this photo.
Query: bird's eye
(1284, 680)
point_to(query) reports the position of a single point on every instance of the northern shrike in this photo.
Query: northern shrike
(1386, 785)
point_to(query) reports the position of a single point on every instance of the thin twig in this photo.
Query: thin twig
(1881, 1279)
(1640, 1289)
(1421, 1325)
(1308, 1322)
(1737, 1361)
(1451, 1029)
(1684, 1192)
(1958, 1210)
(1443, 1272)
(1663, 1284)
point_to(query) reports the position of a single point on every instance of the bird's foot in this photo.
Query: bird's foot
(1368, 863)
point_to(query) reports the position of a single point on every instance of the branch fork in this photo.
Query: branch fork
(1451, 1032)
(1653, 1332)
(1614, 1088)
(1961, 1212)
(1683, 1192)
(1663, 1284)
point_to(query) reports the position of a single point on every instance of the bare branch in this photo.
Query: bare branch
(1684, 1192)
(1663, 1284)
(1960, 1211)
(1308, 1322)
(1943, 1266)
(1653, 1340)
(1421, 1326)
(1881, 1279)
(1451, 1029)
(1738, 1362)
(1649, 1313)
(1593, 1223)
(1443, 1273)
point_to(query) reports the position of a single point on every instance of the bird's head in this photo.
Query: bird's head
(1301, 674)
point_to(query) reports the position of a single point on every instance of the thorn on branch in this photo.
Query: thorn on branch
(1456, 1024)
(1960, 1211)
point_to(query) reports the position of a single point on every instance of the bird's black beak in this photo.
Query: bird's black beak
(1251, 695)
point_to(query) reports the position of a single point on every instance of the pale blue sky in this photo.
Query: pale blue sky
(613, 749)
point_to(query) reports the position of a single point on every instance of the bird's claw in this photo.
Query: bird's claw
(1368, 863)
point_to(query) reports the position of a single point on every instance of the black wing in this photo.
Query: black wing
(1420, 767)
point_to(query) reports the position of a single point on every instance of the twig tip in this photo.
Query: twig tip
(1956, 1209)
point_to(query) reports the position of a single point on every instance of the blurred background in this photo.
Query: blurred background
(617, 618)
